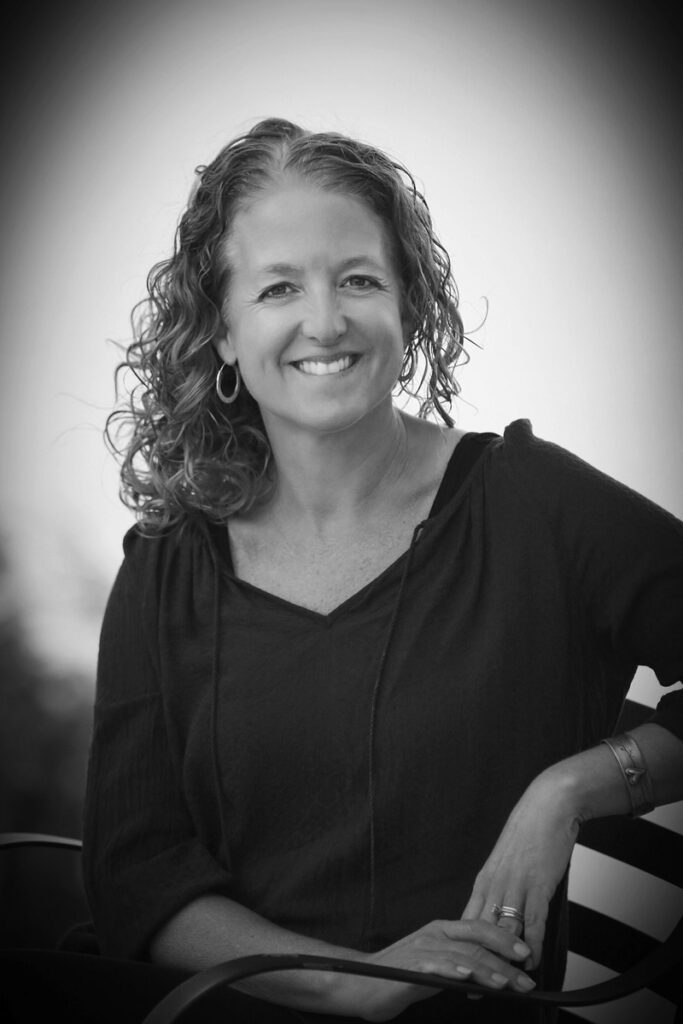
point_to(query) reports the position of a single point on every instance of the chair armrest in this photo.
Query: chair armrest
(189, 992)
(14, 840)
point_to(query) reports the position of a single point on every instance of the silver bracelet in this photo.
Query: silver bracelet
(635, 771)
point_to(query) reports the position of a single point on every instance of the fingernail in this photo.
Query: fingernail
(465, 971)
(521, 949)
(499, 979)
(525, 983)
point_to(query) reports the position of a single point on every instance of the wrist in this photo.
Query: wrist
(587, 785)
(635, 771)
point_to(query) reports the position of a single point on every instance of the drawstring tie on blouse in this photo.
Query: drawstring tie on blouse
(372, 898)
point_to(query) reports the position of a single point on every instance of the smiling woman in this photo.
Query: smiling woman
(276, 226)
(356, 665)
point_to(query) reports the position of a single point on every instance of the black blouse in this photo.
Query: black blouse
(247, 746)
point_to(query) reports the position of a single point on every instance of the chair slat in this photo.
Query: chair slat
(565, 1016)
(616, 946)
(640, 843)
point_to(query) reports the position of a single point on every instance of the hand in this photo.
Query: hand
(527, 863)
(465, 950)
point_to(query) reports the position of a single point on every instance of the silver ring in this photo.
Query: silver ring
(495, 910)
(511, 912)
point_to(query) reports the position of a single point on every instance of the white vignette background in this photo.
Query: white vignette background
(545, 139)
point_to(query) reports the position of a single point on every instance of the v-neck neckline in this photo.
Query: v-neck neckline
(464, 456)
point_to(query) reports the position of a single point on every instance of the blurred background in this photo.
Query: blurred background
(547, 138)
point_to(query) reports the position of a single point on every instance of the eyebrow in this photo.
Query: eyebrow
(347, 264)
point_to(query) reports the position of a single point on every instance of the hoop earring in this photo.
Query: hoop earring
(228, 399)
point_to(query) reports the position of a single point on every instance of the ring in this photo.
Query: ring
(495, 910)
(510, 912)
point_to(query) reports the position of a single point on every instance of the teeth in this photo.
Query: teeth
(320, 369)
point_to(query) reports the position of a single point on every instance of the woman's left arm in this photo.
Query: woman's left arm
(624, 557)
(623, 560)
(534, 847)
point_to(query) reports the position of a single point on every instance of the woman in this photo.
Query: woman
(356, 666)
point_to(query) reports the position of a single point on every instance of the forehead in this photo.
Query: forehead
(297, 222)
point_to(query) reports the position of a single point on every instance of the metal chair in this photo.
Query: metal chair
(639, 974)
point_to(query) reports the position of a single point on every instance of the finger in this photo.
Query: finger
(446, 968)
(512, 914)
(485, 970)
(491, 910)
(484, 907)
(490, 936)
(512, 925)
(474, 907)
(495, 973)
(535, 917)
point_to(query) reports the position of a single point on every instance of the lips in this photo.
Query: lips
(325, 366)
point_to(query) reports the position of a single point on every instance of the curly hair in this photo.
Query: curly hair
(182, 449)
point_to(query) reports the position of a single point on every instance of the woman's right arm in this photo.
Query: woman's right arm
(213, 929)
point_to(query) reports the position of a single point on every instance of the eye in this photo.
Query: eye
(277, 291)
(361, 282)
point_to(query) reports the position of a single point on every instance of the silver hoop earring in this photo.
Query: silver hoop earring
(228, 399)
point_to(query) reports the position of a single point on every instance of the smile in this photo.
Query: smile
(323, 368)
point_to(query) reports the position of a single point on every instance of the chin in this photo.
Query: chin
(325, 416)
(327, 422)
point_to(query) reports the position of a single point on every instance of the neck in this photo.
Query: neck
(326, 478)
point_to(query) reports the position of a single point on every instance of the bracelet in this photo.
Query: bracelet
(635, 771)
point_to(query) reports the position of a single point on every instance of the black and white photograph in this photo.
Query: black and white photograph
(341, 524)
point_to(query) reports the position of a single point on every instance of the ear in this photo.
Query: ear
(223, 345)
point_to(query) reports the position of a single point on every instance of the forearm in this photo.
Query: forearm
(533, 850)
(592, 785)
(213, 929)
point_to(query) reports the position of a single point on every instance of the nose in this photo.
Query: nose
(324, 321)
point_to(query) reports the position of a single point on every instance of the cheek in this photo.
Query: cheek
(258, 355)
(396, 329)
(383, 319)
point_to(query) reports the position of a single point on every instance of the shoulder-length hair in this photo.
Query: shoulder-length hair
(181, 449)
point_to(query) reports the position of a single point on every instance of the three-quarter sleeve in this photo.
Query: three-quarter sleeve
(143, 860)
(624, 552)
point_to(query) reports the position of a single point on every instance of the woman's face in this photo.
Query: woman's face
(313, 308)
